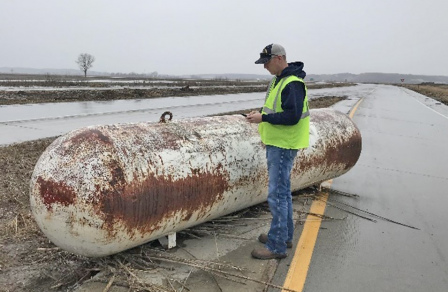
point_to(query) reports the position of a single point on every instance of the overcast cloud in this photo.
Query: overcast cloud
(206, 36)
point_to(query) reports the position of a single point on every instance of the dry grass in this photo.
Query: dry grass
(201, 88)
(17, 164)
(311, 85)
(325, 101)
(437, 91)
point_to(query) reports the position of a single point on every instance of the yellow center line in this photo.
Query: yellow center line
(352, 112)
(298, 269)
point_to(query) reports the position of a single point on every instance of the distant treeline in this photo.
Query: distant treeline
(393, 78)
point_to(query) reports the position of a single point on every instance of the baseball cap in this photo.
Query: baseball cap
(269, 51)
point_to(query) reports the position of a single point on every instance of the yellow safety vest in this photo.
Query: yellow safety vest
(284, 136)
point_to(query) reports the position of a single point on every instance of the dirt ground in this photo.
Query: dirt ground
(28, 261)
(437, 91)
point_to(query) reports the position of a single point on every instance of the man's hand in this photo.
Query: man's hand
(254, 117)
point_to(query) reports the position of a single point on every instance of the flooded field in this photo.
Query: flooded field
(41, 89)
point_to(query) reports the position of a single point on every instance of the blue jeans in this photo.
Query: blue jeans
(280, 163)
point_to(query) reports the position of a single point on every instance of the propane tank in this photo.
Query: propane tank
(100, 190)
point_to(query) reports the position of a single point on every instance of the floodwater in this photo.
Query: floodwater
(80, 109)
(20, 123)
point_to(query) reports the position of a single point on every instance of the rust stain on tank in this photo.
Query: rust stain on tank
(117, 174)
(161, 136)
(145, 206)
(336, 152)
(55, 193)
(90, 135)
(347, 152)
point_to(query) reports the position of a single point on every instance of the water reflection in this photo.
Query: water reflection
(72, 109)
(68, 109)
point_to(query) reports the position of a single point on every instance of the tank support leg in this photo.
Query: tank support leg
(169, 241)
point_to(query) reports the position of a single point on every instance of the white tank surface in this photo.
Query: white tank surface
(100, 190)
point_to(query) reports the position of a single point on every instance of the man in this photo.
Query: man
(284, 128)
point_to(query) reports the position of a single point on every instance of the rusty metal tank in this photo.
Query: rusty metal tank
(100, 190)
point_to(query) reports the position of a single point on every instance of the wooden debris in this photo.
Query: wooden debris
(109, 284)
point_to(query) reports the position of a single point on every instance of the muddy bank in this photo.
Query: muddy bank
(42, 96)
(68, 95)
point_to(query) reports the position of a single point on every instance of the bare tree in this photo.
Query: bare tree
(85, 62)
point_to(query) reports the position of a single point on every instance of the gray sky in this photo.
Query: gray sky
(207, 36)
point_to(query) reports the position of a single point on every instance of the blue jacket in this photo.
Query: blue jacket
(293, 96)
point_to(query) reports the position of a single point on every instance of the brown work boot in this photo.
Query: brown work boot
(263, 238)
(263, 253)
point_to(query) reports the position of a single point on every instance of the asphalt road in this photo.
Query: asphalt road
(402, 175)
